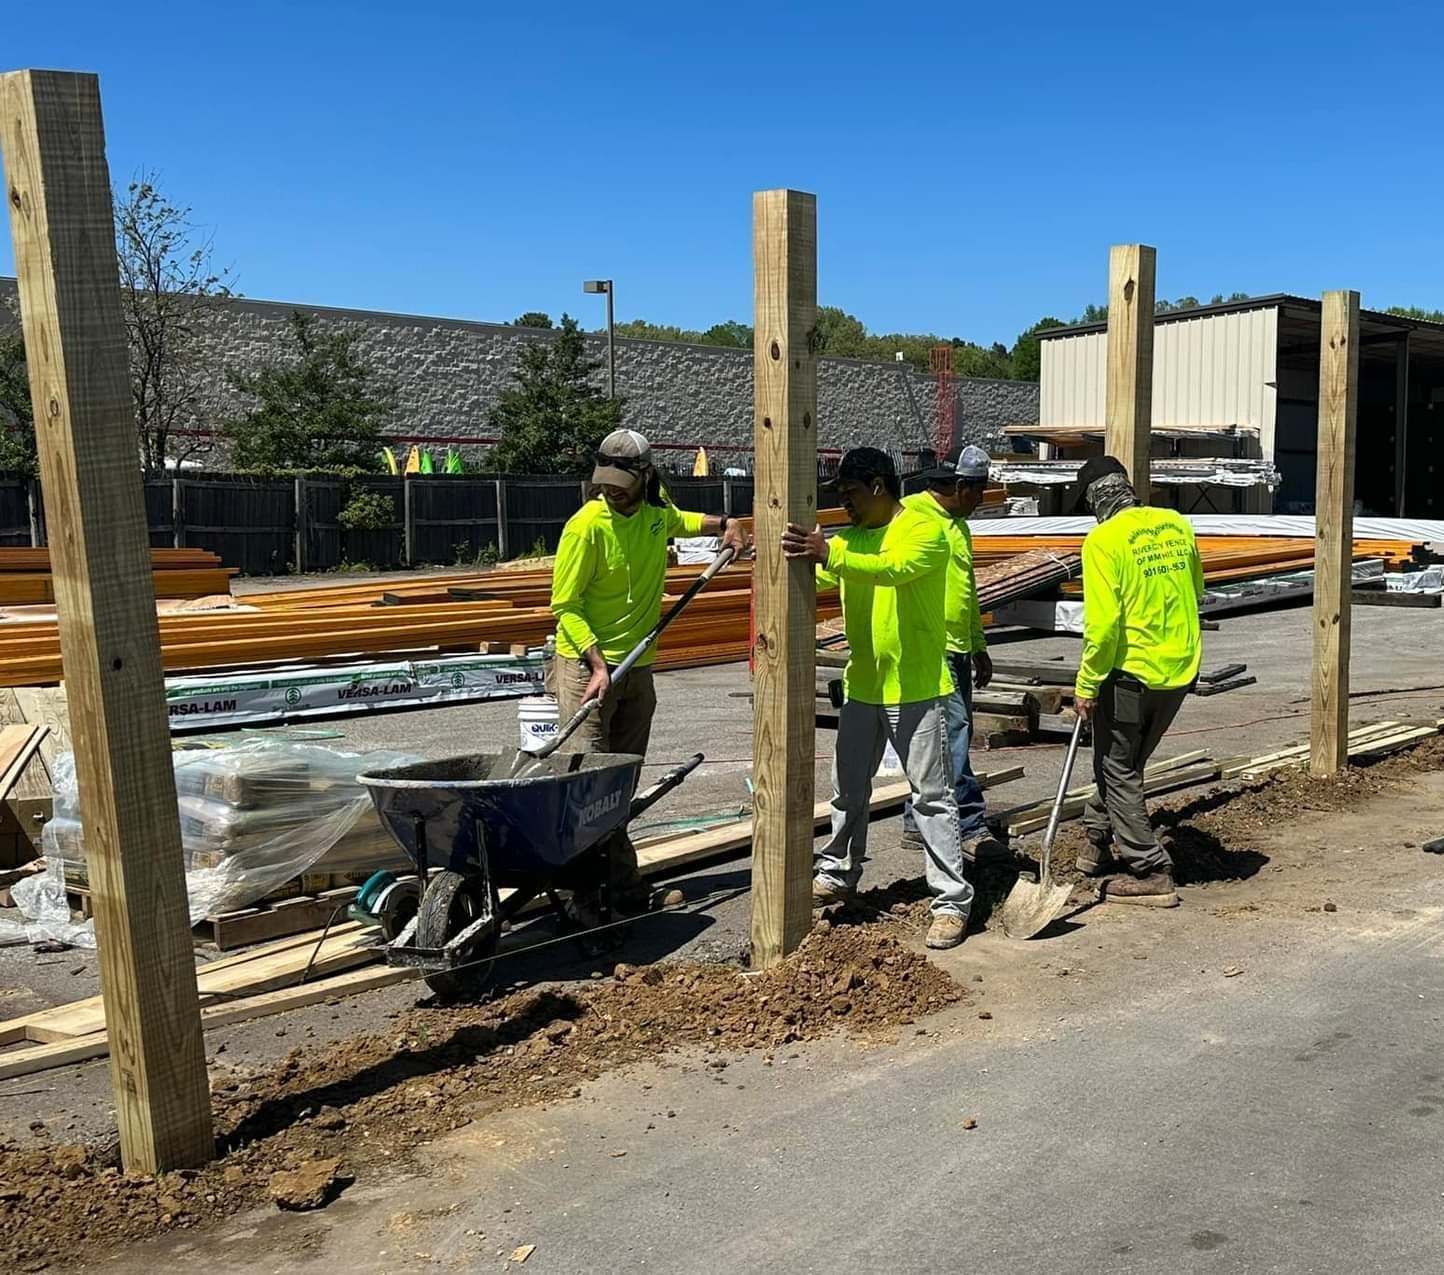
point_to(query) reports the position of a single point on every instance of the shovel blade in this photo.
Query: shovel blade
(1032, 906)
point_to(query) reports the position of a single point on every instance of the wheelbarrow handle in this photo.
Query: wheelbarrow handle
(567, 731)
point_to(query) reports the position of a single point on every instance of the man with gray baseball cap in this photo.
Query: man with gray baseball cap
(607, 586)
(954, 492)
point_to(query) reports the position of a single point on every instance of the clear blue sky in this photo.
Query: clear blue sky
(972, 162)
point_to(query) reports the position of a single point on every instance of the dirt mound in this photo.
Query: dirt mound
(362, 1102)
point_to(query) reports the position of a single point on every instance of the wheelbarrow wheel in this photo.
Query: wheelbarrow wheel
(450, 903)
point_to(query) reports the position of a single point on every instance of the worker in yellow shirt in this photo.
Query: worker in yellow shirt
(1142, 580)
(892, 567)
(954, 491)
(607, 586)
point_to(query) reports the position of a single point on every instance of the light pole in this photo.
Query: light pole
(605, 285)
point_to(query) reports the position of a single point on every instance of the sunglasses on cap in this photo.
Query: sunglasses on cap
(632, 464)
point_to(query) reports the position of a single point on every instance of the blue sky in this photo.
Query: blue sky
(972, 163)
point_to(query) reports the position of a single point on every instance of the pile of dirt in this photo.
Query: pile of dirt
(359, 1104)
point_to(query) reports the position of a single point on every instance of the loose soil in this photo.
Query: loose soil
(358, 1105)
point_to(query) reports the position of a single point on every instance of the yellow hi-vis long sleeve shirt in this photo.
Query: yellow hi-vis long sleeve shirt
(964, 619)
(894, 583)
(1142, 579)
(609, 577)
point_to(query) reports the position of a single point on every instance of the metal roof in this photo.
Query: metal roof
(1274, 300)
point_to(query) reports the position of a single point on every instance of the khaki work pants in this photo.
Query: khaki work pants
(622, 724)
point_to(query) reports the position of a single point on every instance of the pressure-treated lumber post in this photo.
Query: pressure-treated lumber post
(1128, 423)
(1334, 531)
(784, 257)
(58, 190)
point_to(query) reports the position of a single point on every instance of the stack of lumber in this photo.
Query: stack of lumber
(1024, 575)
(36, 726)
(178, 573)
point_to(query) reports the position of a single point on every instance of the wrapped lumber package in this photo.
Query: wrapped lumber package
(253, 816)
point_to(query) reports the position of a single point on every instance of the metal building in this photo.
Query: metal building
(1241, 381)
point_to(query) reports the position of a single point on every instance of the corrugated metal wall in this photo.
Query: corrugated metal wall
(1216, 369)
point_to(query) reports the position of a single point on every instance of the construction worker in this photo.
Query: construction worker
(1142, 580)
(607, 585)
(954, 492)
(892, 567)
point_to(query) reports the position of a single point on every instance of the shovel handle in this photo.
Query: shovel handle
(721, 560)
(1045, 865)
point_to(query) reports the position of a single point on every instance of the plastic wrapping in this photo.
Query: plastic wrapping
(253, 817)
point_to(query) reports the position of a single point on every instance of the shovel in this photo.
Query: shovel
(524, 763)
(1032, 906)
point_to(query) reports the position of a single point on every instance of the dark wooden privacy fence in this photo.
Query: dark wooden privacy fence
(274, 526)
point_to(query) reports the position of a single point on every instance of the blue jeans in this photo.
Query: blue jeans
(958, 716)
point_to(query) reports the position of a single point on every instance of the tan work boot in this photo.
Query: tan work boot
(1096, 859)
(1152, 891)
(825, 895)
(947, 930)
(984, 848)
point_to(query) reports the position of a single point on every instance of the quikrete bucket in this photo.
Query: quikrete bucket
(537, 718)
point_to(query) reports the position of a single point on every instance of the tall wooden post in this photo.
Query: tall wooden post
(1334, 531)
(1128, 421)
(58, 190)
(784, 255)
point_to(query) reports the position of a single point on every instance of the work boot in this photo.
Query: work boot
(1096, 860)
(825, 895)
(912, 839)
(984, 848)
(947, 930)
(1154, 890)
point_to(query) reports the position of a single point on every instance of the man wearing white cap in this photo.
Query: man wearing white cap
(607, 586)
(954, 491)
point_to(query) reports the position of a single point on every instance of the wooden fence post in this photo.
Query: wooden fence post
(1334, 531)
(32, 507)
(302, 524)
(58, 190)
(177, 514)
(408, 523)
(503, 541)
(1128, 423)
(784, 247)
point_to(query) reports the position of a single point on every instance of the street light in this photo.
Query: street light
(605, 285)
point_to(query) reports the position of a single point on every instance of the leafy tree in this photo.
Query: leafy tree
(841, 335)
(17, 416)
(1027, 356)
(1414, 312)
(554, 415)
(532, 319)
(321, 407)
(168, 290)
(641, 330)
(732, 333)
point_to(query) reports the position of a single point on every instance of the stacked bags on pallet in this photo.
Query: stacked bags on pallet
(254, 817)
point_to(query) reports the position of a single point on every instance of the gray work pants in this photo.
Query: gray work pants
(919, 734)
(1130, 721)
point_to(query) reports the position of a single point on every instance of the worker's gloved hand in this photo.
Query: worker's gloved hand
(982, 670)
(798, 542)
(1084, 706)
(736, 536)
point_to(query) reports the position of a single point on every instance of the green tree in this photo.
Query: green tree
(17, 416)
(641, 330)
(168, 289)
(1414, 312)
(1027, 349)
(841, 335)
(532, 319)
(732, 332)
(321, 407)
(552, 417)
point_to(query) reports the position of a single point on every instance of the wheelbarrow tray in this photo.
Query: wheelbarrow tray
(466, 814)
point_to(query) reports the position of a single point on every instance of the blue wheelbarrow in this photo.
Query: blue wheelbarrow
(490, 832)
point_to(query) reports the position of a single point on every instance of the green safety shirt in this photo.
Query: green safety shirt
(894, 584)
(964, 619)
(610, 575)
(1142, 580)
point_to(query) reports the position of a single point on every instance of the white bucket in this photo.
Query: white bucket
(891, 764)
(537, 717)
